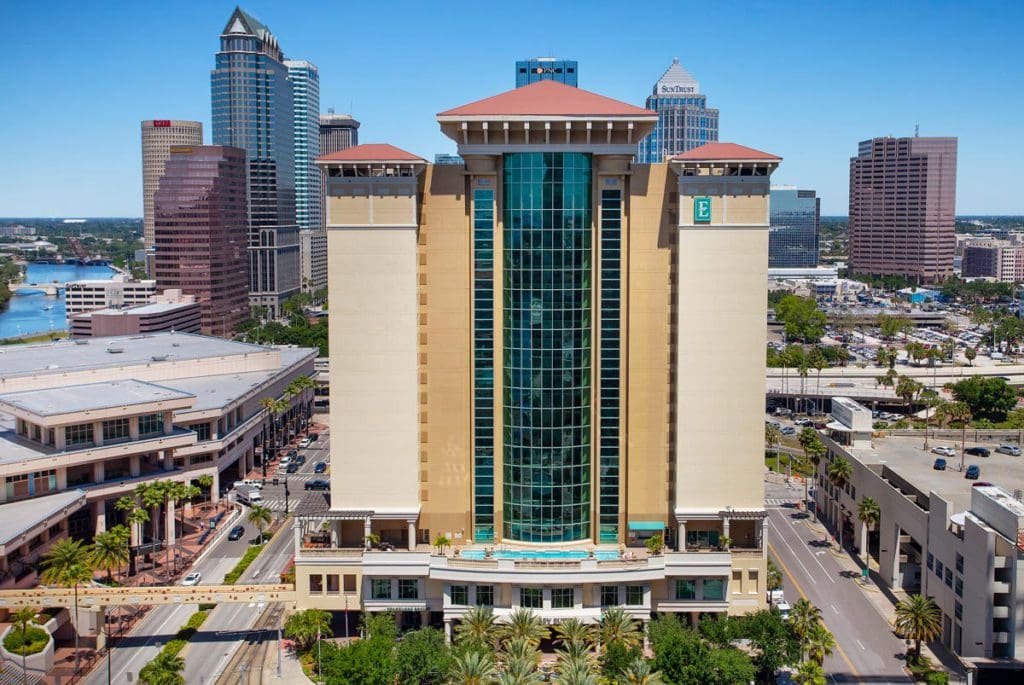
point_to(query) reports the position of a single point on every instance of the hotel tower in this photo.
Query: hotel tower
(537, 357)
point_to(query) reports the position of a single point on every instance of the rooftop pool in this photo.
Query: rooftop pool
(542, 554)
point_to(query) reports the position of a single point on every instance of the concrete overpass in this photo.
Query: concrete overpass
(49, 288)
(93, 597)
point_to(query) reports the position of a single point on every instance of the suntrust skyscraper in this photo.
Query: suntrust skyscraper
(252, 109)
(684, 119)
(525, 355)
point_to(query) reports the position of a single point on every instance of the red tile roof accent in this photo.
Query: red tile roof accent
(548, 98)
(709, 152)
(372, 152)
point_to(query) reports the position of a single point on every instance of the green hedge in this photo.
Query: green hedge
(185, 633)
(35, 639)
(232, 576)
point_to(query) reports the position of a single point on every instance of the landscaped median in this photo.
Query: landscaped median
(232, 576)
(167, 663)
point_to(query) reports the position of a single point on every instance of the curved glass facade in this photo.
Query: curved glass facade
(547, 346)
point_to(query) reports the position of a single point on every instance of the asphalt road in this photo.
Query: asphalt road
(867, 650)
(273, 495)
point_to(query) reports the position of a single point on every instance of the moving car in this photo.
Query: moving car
(321, 467)
(249, 482)
(192, 578)
(944, 450)
(313, 437)
(286, 461)
(972, 472)
(305, 442)
(940, 464)
(293, 467)
(236, 533)
(977, 451)
(784, 608)
(301, 459)
(1012, 450)
(318, 484)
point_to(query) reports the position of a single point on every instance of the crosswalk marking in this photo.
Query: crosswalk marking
(778, 502)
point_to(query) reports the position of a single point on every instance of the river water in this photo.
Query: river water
(34, 312)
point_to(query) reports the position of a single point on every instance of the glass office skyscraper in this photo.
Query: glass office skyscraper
(684, 119)
(546, 69)
(793, 236)
(252, 109)
(305, 80)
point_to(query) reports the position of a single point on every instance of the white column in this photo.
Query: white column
(448, 630)
(99, 512)
(367, 529)
(412, 536)
(135, 465)
(681, 541)
(215, 487)
(170, 522)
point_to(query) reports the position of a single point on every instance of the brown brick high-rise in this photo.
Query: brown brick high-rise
(201, 232)
(903, 207)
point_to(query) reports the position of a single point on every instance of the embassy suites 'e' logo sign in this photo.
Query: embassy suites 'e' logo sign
(702, 210)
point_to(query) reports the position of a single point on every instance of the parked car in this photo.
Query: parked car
(192, 578)
(286, 461)
(293, 467)
(788, 430)
(236, 533)
(320, 467)
(250, 482)
(313, 437)
(803, 422)
(977, 451)
(301, 459)
(944, 450)
(940, 464)
(305, 442)
(972, 472)
(293, 453)
(318, 484)
(1012, 450)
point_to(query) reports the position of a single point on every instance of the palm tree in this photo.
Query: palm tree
(525, 624)
(110, 551)
(521, 650)
(574, 630)
(839, 472)
(67, 563)
(817, 361)
(772, 437)
(774, 579)
(804, 616)
(958, 411)
(617, 626)
(260, 517)
(519, 672)
(640, 672)
(576, 671)
(814, 450)
(22, 617)
(473, 668)
(869, 513)
(440, 542)
(205, 482)
(809, 673)
(305, 626)
(907, 388)
(165, 669)
(820, 643)
(185, 493)
(151, 497)
(477, 629)
(918, 619)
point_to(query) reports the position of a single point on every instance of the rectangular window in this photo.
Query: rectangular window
(702, 538)
(686, 589)
(115, 430)
(408, 588)
(949, 577)
(714, 589)
(316, 584)
(531, 597)
(202, 431)
(380, 588)
(79, 434)
(151, 424)
(634, 595)
(332, 583)
(350, 583)
(938, 568)
(460, 595)
(931, 561)
(959, 563)
(609, 595)
(958, 610)
(562, 598)
(610, 363)
(485, 595)
(959, 587)
(737, 580)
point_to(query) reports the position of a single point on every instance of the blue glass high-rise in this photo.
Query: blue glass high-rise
(793, 237)
(305, 79)
(252, 105)
(684, 119)
(546, 69)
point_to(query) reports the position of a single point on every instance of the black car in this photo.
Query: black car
(321, 467)
(313, 437)
(977, 451)
(318, 485)
(292, 467)
(293, 453)
(236, 533)
(300, 460)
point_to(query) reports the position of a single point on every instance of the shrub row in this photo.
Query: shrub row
(232, 576)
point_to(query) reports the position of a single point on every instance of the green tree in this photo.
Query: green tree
(772, 438)
(473, 668)
(575, 630)
(839, 473)
(524, 624)
(380, 625)
(814, 450)
(820, 643)
(719, 630)
(441, 542)
(809, 673)
(892, 326)
(260, 517)
(110, 551)
(21, 618)
(803, 617)
(422, 658)
(987, 396)
(165, 669)
(957, 412)
(616, 659)
(918, 619)
(640, 672)
(801, 318)
(908, 389)
(773, 642)
(730, 665)
(971, 354)
(615, 625)
(478, 629)
(869, 513)
(304, 626)
(67, 563)
(363, 662)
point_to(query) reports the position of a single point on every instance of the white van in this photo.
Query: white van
(248, 495)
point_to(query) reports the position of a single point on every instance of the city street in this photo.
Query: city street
(867, 650)
(273, 495)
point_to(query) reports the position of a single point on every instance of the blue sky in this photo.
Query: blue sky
(803, 80)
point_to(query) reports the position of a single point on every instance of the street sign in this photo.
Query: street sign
(864, 574)
(702, 210)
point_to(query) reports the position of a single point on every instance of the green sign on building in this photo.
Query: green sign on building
(702, 210)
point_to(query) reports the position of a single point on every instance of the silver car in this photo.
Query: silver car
(1012, 450)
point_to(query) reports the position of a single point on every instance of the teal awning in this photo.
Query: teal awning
(656, 526)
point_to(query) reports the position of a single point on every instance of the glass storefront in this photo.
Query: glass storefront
(547, 346)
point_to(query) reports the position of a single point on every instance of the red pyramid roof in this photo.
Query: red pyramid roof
(725, 151)
(372, 152)
(548, 98)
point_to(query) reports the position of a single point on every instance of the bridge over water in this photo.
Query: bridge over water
(49, 288)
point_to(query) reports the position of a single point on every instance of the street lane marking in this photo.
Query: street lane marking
(834, 609)
(816, 560)
(795, 555)
(792, 578)
(860, 644)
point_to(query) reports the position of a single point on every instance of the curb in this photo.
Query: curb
(217, 538)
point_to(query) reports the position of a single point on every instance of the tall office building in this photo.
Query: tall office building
(158, 135)
(337, 132)
(684, 119)
(305, 80)
(201, 233)
(793, 237)
(546, 69)
(903, 208)
(510, 365)
(252, 109)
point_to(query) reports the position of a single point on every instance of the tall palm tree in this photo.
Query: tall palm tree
(478, 629)
(809, 673)
(575, 630)
(260, 517)
(918, 619)
(151, 497)
(473, 668)
(524, 623)
(869, 513)
(205, 482)
(576, 671)
(640, 672)
(908, 389)
(839, 473)
(958, 411)
(521, 650)
(814, 450)
(803, 617)
(67, 563)
(616, 625)
(817, 361)
(165, 669)
(772, 437)
(110, 551)
(820, 643)
(21, 618)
